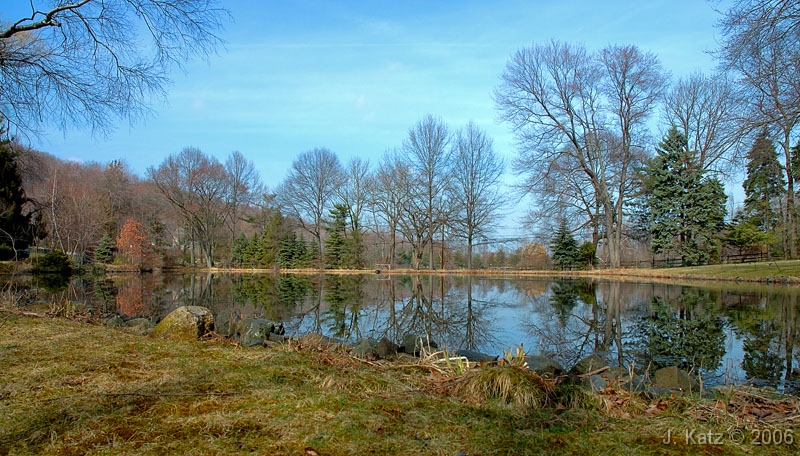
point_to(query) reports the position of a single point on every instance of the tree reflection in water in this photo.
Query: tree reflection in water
(737, 333)
(683, 332)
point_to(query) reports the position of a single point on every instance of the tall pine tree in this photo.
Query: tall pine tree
(764, 187)
(687, 208)
(342, 249)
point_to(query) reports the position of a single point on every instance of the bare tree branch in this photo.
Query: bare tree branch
(87, 63)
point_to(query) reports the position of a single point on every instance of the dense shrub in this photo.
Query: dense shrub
(53, 262)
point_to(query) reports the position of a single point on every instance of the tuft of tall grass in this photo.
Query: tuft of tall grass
(508, 384)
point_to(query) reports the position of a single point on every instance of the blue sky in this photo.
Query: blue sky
(355, 76)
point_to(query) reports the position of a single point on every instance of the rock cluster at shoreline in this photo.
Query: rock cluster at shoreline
(591, 372)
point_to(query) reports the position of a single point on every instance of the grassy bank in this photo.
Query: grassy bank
(783, 272)
(75, 388)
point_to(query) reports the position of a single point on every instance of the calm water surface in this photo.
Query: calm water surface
(727, 333)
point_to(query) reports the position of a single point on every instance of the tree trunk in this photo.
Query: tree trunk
(441, 262)
(611, 228)
(791, 229)
(392, 248)
(469, 252)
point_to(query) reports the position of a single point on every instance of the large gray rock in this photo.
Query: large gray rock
(115, 321)
(255, 332)
(616, 374)
(636, 385)
(414, 344)
(365, 348)
(185, 323)
(595, 383)
(386, 348)
(544, 365)
(588, 364)
(675, 379)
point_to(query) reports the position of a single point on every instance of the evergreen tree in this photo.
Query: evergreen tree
(274, 230)
(743, 234)
(237, 250)
(104, 252)
(687, 209)
(16, 228)
(765, 186)
(342, 249)
(285, 250)
(251, 251)
(564, 247)
(336, 244)
(587, 255)
(293, 252)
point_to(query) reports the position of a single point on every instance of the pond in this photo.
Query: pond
(726, 333)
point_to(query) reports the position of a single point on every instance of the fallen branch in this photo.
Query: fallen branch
(595, 372)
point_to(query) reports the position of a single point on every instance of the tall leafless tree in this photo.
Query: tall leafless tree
(355, 192)
(308, 191)
(633, 83)
(762, 48)
(245, 187)
(389, 192)
(427, 153)
(197, 186)
(86, 63)
(580, 122)
(550, 94)
(477, 169)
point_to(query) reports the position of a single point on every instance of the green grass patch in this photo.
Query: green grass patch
(73, 388)
(745, 271)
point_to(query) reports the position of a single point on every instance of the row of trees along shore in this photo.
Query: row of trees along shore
(589, 155)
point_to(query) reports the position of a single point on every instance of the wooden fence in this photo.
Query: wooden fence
(678, 262)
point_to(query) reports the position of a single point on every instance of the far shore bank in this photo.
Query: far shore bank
(783, 272)
(786, 272)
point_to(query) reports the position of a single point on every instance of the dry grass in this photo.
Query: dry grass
(72, 388)
(508, 384)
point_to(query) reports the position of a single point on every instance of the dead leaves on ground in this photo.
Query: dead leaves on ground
(741, 405)
(751, 407)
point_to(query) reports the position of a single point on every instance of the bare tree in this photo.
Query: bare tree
(705, 110)
(85, 63)
(550, 93)
(355, 191)
(428, 156)
(197, 186)
(762, 47)
(764, 21)
(76, 207)
(389, 192)
(633, 84)
(116, 188)
(476, 177)
(245, 187)
(580, 119)
(307, 192)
